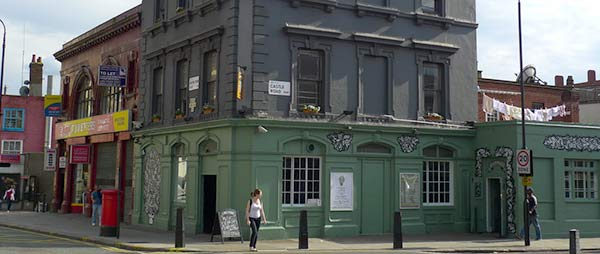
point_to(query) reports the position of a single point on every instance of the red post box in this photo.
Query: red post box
(108, 222)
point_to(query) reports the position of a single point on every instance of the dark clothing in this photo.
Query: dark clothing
(254, 225)
(97, 197)
(532, 204)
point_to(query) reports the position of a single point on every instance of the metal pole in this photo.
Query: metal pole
(2, 71)
(398, 242)
(524, 145)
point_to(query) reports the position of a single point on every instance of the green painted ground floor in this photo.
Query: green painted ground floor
(351, 178)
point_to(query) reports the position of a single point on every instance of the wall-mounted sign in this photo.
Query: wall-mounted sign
(52, 105)
(108, 123)
(10, 158)
(409, 190)
(62, 162)
(524, 162)
(342, 190)
(279, 88)
(79, 154)
(50, 160)
(110, 75)
(194, 83)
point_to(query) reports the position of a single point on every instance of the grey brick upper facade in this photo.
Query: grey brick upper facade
(403, 58)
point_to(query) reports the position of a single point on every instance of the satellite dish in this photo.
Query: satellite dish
(528, 74)
(26, 82)
(24, 91)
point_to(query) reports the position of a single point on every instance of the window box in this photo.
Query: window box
(156, 118)
(207, 109)
(311, 109)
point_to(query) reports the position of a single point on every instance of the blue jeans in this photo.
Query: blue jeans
(254, 225)
(538, 230)
(96, 213)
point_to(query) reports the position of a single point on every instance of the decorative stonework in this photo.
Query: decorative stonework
(408, 143)
(480, 153)
(572, 143)
(507, 153)
(341, 141)
(151, 184)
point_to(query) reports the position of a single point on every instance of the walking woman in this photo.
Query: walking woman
(254, 214)
(9, 196)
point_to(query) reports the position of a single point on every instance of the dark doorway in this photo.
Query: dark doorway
(494, 205)
(210, 201)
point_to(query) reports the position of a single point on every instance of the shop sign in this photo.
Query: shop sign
(110, 75)
(108, 123)
(52, 105)
(194, 83)
(10, 158)
(62, 162)
(50, 160)
(79, 154)
(342, 190)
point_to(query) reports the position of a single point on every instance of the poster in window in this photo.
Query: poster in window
(342, 190)
(409, 191)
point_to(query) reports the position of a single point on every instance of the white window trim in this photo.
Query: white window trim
(586, 170)
(12, 140)
(451, 203)
(292, 205)
(489, 116)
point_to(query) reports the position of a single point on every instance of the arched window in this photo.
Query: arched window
(438, 177)
(373, 148)
(180, 165)
(85, 97)
(111, 99)
(208, 147)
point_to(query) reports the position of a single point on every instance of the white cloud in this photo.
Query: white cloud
(41, 27)
(559, 38)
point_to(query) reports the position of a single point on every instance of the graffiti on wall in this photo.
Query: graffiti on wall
(508, 153)
(151, 184)
(341, 141)
(572, 143)
(480, 153)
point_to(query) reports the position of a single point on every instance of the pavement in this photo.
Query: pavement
(139, 238)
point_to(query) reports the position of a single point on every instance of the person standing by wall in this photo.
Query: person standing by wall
(533, 215)
(9, 196)
(254, 214)
(96, 205)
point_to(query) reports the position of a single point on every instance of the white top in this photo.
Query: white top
(255, 209)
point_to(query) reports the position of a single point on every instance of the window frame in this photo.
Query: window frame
(157, 91)
(317, 80)
(438, 9)
(589, 171)
(180, 165)
(111, 100)
(492, 117)
(437, 90)
(306, 180)
(3, 150)
(181, 85)
(425, 183)
(85, 98)
(159, 10)
(443, 61)
(210, 83)
(6, 117)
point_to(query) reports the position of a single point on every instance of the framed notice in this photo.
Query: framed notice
(50, 160)
(410, 191)
(341, 192)
(79, 154)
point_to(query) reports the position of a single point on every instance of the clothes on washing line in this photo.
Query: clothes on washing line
(511, 112)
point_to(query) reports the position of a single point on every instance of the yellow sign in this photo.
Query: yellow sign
(108, 123)
(527, 180)
(52, 105)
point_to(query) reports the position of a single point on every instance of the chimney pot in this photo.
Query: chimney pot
(570, 81)
(591, 76)
(479, 74)
(559, 80)
(33, 58)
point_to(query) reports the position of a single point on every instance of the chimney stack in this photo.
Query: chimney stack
(591, 76)
(49, 85)
(35, 76)
(559, 80)
(570, 81)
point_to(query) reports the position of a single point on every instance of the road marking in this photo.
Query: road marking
(108, 248)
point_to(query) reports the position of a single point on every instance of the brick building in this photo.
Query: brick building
(589, 102)
(537, 96)
(97, 115)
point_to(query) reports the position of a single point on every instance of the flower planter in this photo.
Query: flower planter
(179, 117)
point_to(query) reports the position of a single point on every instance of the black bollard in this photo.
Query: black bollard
(179, 229)
(574, 247)
(303, 235)
(398, 230)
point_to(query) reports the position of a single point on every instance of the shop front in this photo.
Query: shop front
(96, 151)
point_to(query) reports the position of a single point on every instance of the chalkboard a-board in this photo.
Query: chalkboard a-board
(226, 225)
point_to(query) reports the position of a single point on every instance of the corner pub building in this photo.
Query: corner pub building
(327, 106)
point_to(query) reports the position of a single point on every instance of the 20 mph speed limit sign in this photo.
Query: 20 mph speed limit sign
(524, 160)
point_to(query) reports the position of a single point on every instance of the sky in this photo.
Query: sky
(559, 37)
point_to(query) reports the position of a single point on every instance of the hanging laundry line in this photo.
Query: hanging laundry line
(510, 112)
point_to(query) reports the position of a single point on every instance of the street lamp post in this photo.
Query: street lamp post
(2, 71)
(524, 145)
